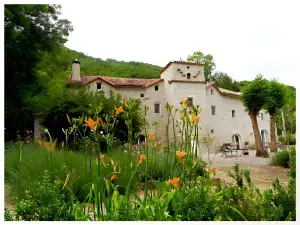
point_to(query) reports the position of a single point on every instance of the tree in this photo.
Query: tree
(254, 98)
(29, 31)
(207, 60)
(223, 80)
(275, 101)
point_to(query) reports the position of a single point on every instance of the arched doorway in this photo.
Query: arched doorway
(236, 141)
(264, 138)
(142, 138)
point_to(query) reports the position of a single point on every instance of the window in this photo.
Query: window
(212, 131)
(213, 110)
(190, 101)
(156, 108)
(233, 113)
(211, 91)
(99, 86)
(156, 88)
(262, 116)
(142, 95)
(188, 67)
(188, 76)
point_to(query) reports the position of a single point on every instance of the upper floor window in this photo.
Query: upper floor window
(142, 95)
(99, 86)
(190, 101)
(156, 108)
(188, 76)
(156, 88)
(213, 110)
(211, 91)
(233, 113)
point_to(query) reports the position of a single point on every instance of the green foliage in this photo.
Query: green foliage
(281, 158)
(276, 97)
(291, 138)
(7, 215)
(207, 60)
(46, 203)
(223, 80)
(29, 30)
(254, 95)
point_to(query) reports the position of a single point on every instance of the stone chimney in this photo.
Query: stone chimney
(76, 70)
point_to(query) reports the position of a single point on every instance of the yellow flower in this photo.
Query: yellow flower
(159, 146)
(196, 119)
(175, 181)
(119, 110)
(91, 123)
(180, 156)
(142, 159)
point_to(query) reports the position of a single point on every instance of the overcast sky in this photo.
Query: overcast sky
(245, 38)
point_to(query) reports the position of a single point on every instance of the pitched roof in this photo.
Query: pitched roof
(179, 62)
(223, 91)
(116, 81)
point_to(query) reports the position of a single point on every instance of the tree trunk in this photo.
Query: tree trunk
(273, 133)
(257, 138)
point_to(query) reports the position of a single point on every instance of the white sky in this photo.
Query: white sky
(245, 38)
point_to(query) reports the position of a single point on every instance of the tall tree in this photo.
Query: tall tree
(275, 101)
(254, 97)
(207, 60)
(29, 30)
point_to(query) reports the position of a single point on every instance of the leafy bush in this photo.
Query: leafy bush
(291, 138)
(281, 158)
(47, 203)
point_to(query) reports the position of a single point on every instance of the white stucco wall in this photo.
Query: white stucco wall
(223, 125)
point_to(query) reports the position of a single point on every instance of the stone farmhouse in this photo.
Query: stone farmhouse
(222, 117)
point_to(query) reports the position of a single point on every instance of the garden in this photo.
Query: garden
(90, 175)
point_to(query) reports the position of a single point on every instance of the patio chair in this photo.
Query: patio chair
(245, 149)
(227, 148)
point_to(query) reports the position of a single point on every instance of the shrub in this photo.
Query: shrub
(47, 203)
(281, 158)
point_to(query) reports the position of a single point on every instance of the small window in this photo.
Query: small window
(188, 67)
(190, 101)
(188, 76)
(212, 131)
(233, 113)
(142, 95)
(99, 86)
(211, 91)
(262, 116)
(156, 108)
(156, 88)
(213, 110)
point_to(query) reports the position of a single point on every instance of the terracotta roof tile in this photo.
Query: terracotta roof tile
(117, 81)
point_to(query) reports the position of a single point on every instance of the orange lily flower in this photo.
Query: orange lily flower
(47, 145)
(119, 110)
(102, 160)
(213, 170)
(151, 136)
(184, 101)
(175, 181)
(99, 120)
(113, 177)
(142, 159)
(91, 123)
(196, 119)
(180, 156)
